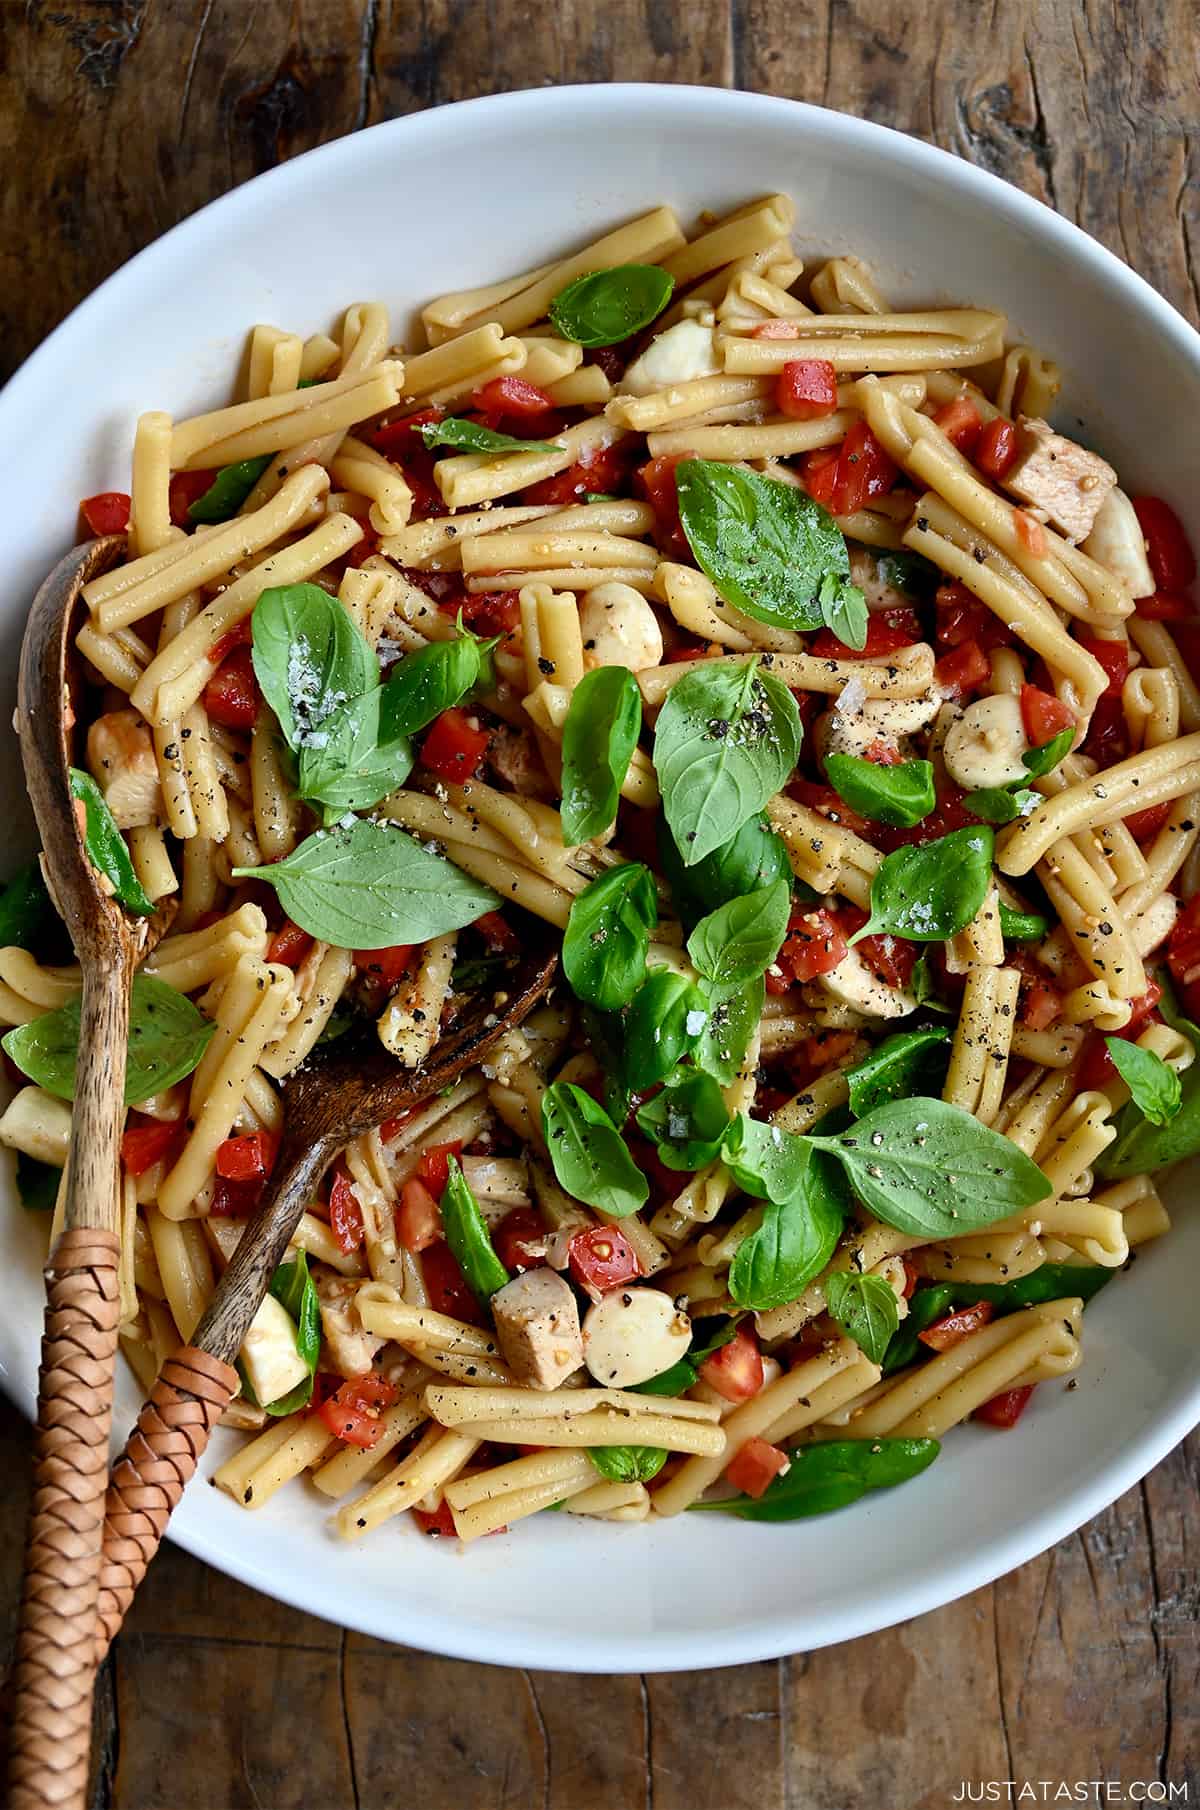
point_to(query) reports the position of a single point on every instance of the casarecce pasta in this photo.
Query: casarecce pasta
(762, 638)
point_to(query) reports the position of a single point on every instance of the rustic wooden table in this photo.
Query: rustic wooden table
(117, 118)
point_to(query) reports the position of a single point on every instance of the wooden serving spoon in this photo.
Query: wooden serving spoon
(55, 1656)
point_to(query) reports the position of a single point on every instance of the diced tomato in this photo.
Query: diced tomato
(1107, 739)
(890, 958)
(1165, 606)
(961, 423)
(448, 1289)
(814, 945)
(107, 512)
(384, 969)
(806, 388)
(454, 746)
(964, 669)
(996, 448)
(605, 470)
(418, 1221)
(961, 617)
(826, 802)
(187, 487)
(520, 1239)
(955, 1327)
(1172, 561)
(247, 1158)
(864, 471)
(232, 697)
(500, 936)
(345, 1214)
(396, 439)
(883, 754)
(887, 632)
(441, 1521)
(150, 1141)
(434, 1166)
(1183, 946)
(354, 1412)
(1044, 715)
(1041, 1006)
(511, 396)
(289, 945)
(1005, 1410)
(240, 635)
(1030, 533)
(1142, 825)
(234, 1200)
(489, 612)
(1096, 1067)
(602, 1258)
(390, 1127)
(755, 1465)
(735, 1370)
(1112, 655)
(818, 472)
(911, 1277)
(656, 481)
(1142, 1010)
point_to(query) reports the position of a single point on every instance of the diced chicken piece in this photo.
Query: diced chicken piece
(352, 1348)
(537, 1328)
(632, 1334)
(985, 745)
(498, 1181)
(886, 721)
(619, 628)
(513, 754)
(1118, 544)
(38, 1125)
(852, 983)
(121, 756)
(269, 1354)
(880, 595)
(1059, 476)
(684, 352)
(223, 1234)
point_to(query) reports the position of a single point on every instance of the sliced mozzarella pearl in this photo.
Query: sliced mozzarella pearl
(632, 1334)
(1118, 544)
(984, 747)
(269, 1352)
(619, 628)
(685, 351)
(852, 983)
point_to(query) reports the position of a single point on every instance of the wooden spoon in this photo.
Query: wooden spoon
(56, 1654)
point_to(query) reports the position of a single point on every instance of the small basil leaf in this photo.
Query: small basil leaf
(794, 1242)
(664, 1021)
(370, 886)
(1022, 926)
(25, 909)
(1140, 1147)
(923, 988)
(932, 1170)
(900, 796)
(996, 804)
(309, 657)
(1044, 759)
(909, 572)
(429, 680)
(167, 1037)
(753, 858)
(228, 490)
(588, 1153)
(106, 848)
(831, 1475)
(1168, 1006)
(932, 890)
(608, 934)
(37, 1183)
(686, 1121)
(353, 760)
(605, 1032)
(766, 545)
(294, 1289)
(908, 1063)
(844, 611)
(468, 1237)
(764, 1160)
(472, 436)
(627, 1463)
(865, 1308)
(726, 740)
(734, 1014)
(737, 942)
(599, 737)
(1051, 1282)
(1156, 1089)
(606, 306)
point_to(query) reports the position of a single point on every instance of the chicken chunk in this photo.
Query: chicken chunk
(1059, 476)
(537, 1327)
(121, 756)
(352, 1348)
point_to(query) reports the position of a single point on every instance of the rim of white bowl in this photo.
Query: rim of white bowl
(1100, 1485)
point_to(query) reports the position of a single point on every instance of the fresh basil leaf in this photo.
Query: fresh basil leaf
(598, 740)
(607, 936)
(1022, 926)
(1051, 1282)
(766, 545)
(997, 804)
(468, 1237)
(831, 1475)
(601, 496)
(752, 859)
(228, 490)
(605, 1033)
(354, 759)
(794, 1242)
(907, 1063)
(37, 1183)
(764, 1160)
(726, 740)
(294, 1289)
(106, 848)
(683, 1374)
(1156, 1089)
(909, 572)
(25, 909)
(1141, 1147)
(932, 1170)
(476, 973)
(900, 796)
(734, 1014)
(865, 1308)
(473, 436)
(429, 680)
(923, 988)
(369, 886)
(665, 1018)
(336, 1025)
(844, 611)
(686, 1121)
(627, 1463)
(167, 1037)
(927, 1306)
(738, 941)
(931, 890)
(606, 306)
(588, 1153)
(309, 657)
(1169, 1008)
(1044, 759)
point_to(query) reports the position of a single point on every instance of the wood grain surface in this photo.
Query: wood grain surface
(117, 119)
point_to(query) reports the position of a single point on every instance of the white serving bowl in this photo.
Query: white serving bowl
(460, 196)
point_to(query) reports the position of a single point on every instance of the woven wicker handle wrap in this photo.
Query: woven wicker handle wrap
(149, 1477)
(55, 1660)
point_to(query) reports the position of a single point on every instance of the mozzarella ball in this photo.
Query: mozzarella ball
(632, 1334)
(1118, 544)
(685, 351)
(984, 747)
(619, 628)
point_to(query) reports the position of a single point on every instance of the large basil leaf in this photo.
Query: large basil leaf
(355, 758)
(739, 941)
(752, 859)
(908, 1063)
(608, 934)
(229, 489)
(309, 657)
(468, 1236)
(734, 1014)
(37, 1184)
(1156, 1089)
(599, 737)
(831, 1475)
(664, 1021)
(473, 436)
(686, 1121)
(900, 796)
(294, 1289)
(588, 1153)
(369, 886)
(764, 1160)
(627, 1463)
(932, 890)
(1052, 1282)
(866, 1309)
(167, 1037)
(726, 739)
(106, 848)
(606, 306)
(1044, 759)
(794, 1242)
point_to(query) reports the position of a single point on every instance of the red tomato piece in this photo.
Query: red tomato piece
(384, 968)
(956, 1327)
(1041, 1006)
(996, 448)
(657, 483)
(489, 612)
(354, 1412)
(818, 472)
(602, 1258)
(961, 617)
(1107, 739)
(887, 632)
(1183, 946)
(1044, 715)
(890, 958)
(1005, 1410)
(345, 1214)
(106, 513)
(1142, 825)
(248, 1158)
(520, 1240)
(911, 1277)
(240, 635)
(500, 936)
(234, 1200)
(441, 1521)
(390, 1127)
(289, 945)
(149, 1141)
(964, 669)
(511, 396)
(448, 1289)
(604, 470)
(1113, 657)
(864, 471)
(434, 1166)
(1165, 606)
(827, 802)
(961, 423)
(454, 746)
(884, 755)
(806, 388)
(232, 697)
(755, 1465)
(418, 1222)
(736, 1369)
(1141, 1011)
(395, 439)
(187, 487)
(814, 945)
(1096, 1066)
(1168, 550)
